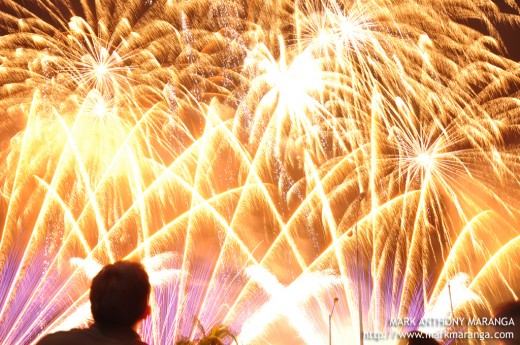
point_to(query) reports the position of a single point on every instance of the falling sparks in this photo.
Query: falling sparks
(235, 148)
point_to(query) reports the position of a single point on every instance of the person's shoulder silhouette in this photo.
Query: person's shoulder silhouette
(119, 298)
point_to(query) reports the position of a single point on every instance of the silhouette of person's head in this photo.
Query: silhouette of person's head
(418, 338)
(119, 295)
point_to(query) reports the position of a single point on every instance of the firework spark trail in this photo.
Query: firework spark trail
(248, 134)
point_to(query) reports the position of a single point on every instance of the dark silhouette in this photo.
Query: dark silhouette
(418, 338)
(218, 335)
(510, 314)
(119, 298)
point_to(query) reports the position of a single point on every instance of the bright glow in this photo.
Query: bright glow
(454, 295)
(100, 108)
(288, 302)
(100, 71)
(225, 145)
(424, 159)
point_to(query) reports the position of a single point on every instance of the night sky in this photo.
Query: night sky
(509, 27)
(510, 31)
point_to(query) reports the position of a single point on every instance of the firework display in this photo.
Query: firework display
(261, 158)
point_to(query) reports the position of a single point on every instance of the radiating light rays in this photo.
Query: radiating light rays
(456, 295)
(212, 146)
(330, 27)
(288, 302)
(50, 209)
(293, 83)
(428, 156)
(159, 268)
(289, 108)
(96, 63)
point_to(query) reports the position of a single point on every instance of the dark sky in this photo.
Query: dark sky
(509, 28)
(510, 31)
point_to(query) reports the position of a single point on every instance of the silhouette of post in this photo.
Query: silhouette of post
(330, 320)
(360, 313)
